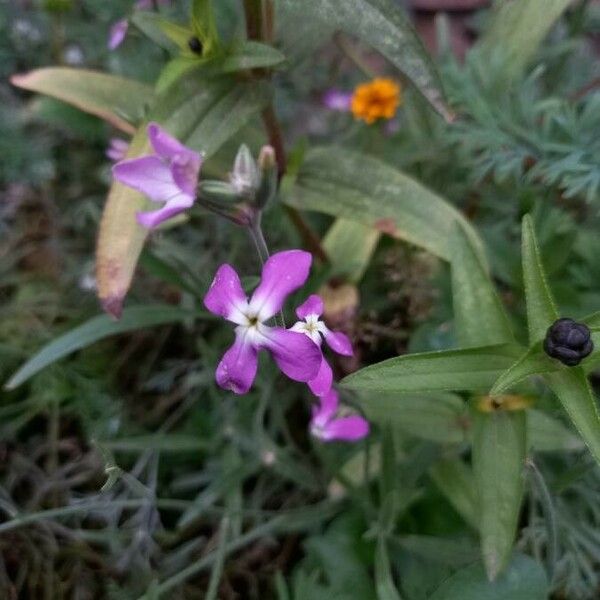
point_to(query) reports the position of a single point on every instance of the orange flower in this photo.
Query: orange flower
(378, 99)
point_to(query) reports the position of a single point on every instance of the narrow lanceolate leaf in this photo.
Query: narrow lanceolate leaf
(541, 309)
(456, 481)
(575, 394)
(349, 246)
(383, 25)
(478, 312)
(570, 384)
(499, 450)
(384, 581)
(472, 369)
(94, 330)
(120, 238)
(534, 361)
(122, 102)
(348, 184)
(518, 28)
(439, 417)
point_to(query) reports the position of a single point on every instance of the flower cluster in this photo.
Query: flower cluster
(297, 351)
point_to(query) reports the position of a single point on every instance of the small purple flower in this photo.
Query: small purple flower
(326, 426)
(294, 354)
(170, 175)
(337, 100)
(316, 330)
(117, 34)
(117, 149)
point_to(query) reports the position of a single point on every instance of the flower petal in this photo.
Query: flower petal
(148, 175)
(313, 305)
(185, 170)
(237, 369)
(295, 353)
(174, 207)
(282, 274)
(339, 342)
(321, 384)
(117, 34)
(348, 429)
(117, 150)
(323, 411)
(226, 297)
(165, 145)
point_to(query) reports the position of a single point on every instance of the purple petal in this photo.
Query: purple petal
(148, 175)
(321, 384)
(325, 409)
(185, 169)
(348, 429)
(117, 149)
(117, 34)
(165, 145)
(282, 274)
(339, 342)
(295, 353)
(226, 297)
(337, 100)
(237, 369)
(313, 305)
(174, 207)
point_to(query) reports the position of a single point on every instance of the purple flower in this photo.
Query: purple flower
(326, 426)
(294, 354)
(170, 175)
(117, 34)
(337, 100)
(117, 149)
(316, 330)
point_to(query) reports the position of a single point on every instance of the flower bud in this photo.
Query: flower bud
(568, 341)
(244, 178)
(223, 199)
(267, 164)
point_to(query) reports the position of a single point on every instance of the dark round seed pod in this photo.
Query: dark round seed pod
(568, 341)
(195, 45)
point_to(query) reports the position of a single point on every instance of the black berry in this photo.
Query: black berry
(568, 341)
(195, 45)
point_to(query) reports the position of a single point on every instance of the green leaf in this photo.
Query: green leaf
(570, 385)
(250, 55)
(440, 418)
(546, 434)
(575, 394)
(454, 552)
(172, 442)
(534, 361)
(384, 26)
(517, 29)
(478, 312)
(225, 116)
(96, 329)
(456, 481)
(541, 309)
(163, 32)
(349, 246)
(467, 369)
(348, 184)
(499, 451)
(121, 102)
(203, 23)
(524, 579)
(384, 581)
